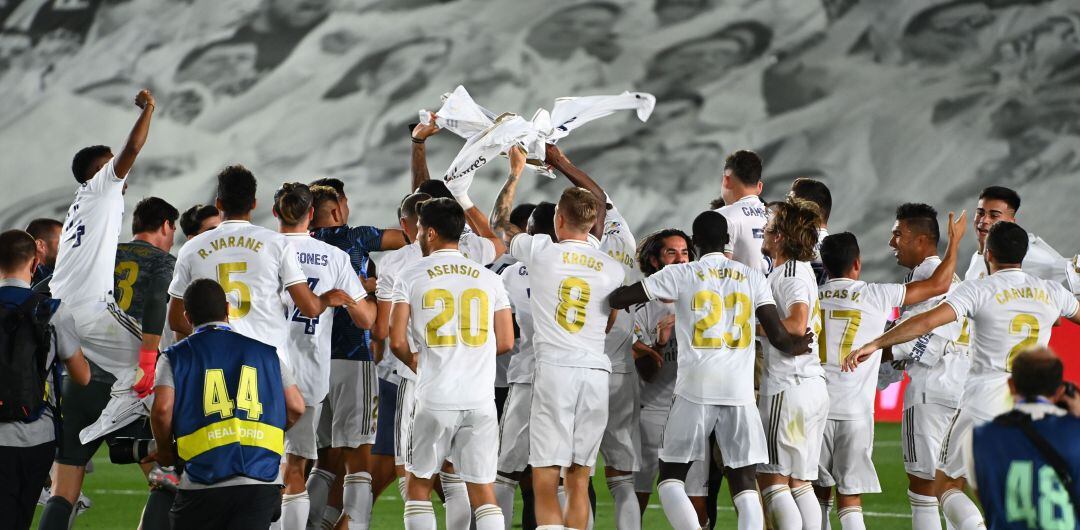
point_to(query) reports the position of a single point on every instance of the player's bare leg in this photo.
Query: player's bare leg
(546, 489)
(825, 500)
(578, 507)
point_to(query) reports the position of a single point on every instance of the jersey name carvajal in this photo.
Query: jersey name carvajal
(88, 240)
(253, 265)
(715, 303)
(853, 313)
(569, 286)
(326, 267)
(746, 220)
(452, 302)
(792, 283)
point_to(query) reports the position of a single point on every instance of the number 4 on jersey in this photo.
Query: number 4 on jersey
(309, 323)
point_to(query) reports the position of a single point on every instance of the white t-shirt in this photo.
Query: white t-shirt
(452, 303)
(619, 243)
(326, 267)
(516, 281)
(792, 283)
(1041, 261)
(656, 394)
(715, 303)
(254, 266)
(569, 283)
(937, 362)
(853, 313)
(1012, 311)
(746, 220)
(87, 250)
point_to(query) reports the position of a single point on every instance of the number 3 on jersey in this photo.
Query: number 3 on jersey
(574, 296)
(467, 320)
(711, 301)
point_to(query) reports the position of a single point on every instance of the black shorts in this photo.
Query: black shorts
(80, 407)
(384, 431)
(227, 508)
(23, 472)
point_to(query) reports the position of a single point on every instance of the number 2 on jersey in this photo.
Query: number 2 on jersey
(574, 296)
(1027, 326)
(243, 292)
(711, 300)
(469, 297)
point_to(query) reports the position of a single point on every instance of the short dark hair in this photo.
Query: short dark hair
(710, 231)
(322, 194)
(151, 213)
(652, 244)
(409, 204)
(236, 190)
(1037, 372)
(17, 247)
(1001, 193)
(745, 166)
(337, 184)
(292, 202)
(838, 253)
(40, 228)
(80, 164)
(1007, 242)
(921, 218)
(815, 191)
(542, 219)
(192, 218)
(443, 215)
(436, 188)
(519, 216)
(204, 301)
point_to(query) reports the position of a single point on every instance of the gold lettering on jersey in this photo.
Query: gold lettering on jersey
(220, 243)
(721, 274)
(453, 268)
(589, 262)
(1035, 294)
(622, 257)
(841, 294)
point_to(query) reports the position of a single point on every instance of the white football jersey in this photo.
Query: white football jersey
(1041, 261)
(746, 220)
(452, 304)
(938, 362)
(326, 267)
(87, 250)
(516, 281)
(792, 283)
(715, 303)
(657, 394)
(1012, 312)
(853, 313)
(619, 243)
(253, 265)
(569, 284)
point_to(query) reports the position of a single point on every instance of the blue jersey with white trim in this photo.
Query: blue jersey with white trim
(347, 341)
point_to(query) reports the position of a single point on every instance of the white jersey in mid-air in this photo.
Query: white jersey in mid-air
(619, 243)
(87, 248)
(792, 283)
(515, 279)
(1012, 311)
(253, 265)
(326, 267)
(656, 394)
(746, 220)
(569, 284)
(715, 303)
(452, 304)
(853, 313)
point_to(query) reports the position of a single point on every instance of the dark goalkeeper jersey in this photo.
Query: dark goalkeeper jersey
(141, 283)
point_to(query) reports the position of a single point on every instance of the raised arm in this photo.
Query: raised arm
(504, 203)
(137, 138)
(420, 133)
(479, 224)
(909, 329)
(790, 343)
(628, 295)
(555, 157)
(939, 282)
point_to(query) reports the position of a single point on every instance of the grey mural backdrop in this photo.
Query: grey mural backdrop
(886, 100)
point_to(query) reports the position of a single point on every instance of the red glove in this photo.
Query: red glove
(147, 369)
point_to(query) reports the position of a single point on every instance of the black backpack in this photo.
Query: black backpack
(25, 339)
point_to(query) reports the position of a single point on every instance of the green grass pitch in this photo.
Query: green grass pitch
(118, 494)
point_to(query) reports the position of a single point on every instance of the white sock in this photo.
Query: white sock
(458, 512)
(357, 499)
(781, 508)
(294, 511)
(826, 507)
(489, 517)
(677, 507)
(627, 512)
(960, 511)
(419, 515)
(504, 495)
(330, 518)
(402, 487)
(924, 512)
(809, 509)
(561, 494)
(851, 518)
(318, 488)
(748, 506)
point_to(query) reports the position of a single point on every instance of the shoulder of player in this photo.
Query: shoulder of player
(515, 270)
